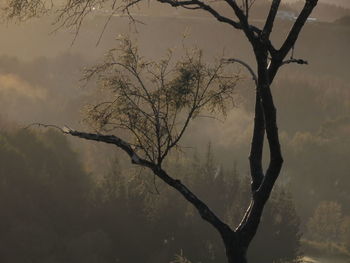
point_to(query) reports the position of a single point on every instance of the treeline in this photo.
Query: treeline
(315, 139)
(328, 230)
(53, 211)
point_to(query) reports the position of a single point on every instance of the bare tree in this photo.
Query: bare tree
(159, 134)
(154, 102)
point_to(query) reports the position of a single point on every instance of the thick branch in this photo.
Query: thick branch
(201, 207)
(111, 139)
(196, 4)
(261, 193)
(298, 25)
(256, 169)
(276, 159)
(271, 18)
(256, 150)
(243, 19)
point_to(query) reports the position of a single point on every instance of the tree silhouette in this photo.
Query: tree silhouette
(155, 138)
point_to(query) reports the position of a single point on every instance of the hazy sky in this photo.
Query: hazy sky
(345, 3)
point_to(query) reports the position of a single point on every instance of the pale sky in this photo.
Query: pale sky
(345, 3)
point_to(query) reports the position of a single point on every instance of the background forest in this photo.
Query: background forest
(71, 201)
(53, 211)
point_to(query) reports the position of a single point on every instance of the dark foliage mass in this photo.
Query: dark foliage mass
(43, 198)
(53, 211)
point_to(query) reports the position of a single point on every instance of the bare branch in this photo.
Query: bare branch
(196, 4)
(63, 130)
(246, 65)
(297, 61)
(256, 152)
(243, 20)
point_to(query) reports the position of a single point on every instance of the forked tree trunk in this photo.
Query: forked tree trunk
(238, 243)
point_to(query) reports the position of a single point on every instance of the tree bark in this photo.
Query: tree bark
(236, 257)
(236, 252)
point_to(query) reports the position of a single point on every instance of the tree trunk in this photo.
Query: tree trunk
(236, 252)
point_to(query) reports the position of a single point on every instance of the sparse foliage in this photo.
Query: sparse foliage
(155, 101)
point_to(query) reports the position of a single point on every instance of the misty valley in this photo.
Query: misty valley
(138, 140)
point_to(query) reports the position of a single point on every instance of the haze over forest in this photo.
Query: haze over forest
(40, 82)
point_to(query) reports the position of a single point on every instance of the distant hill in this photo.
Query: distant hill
(343, 3)
(345, 20)
(326, 10)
